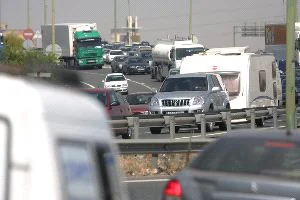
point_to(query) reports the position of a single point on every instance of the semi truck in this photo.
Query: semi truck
(77, 44)
(167, 55)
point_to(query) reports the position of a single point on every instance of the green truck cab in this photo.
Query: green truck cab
(88, 51)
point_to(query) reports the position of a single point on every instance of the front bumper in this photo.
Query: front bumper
(86, 62)
(176, 110)
(119, 89)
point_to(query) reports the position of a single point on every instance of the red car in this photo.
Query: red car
(139, 102)
(115, 105)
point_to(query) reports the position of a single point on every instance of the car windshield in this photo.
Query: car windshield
(135, 60)
(115, 78)
(183, 52)
(101, 96)
(114, 53)
(137, 99)
(185, 84)
(251, 156)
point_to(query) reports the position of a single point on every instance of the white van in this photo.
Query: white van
(252, 80)
(56, 144)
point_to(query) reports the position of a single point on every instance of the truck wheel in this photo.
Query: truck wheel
(155, 130)
(260, 122)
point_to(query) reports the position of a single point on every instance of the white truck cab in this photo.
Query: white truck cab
(56, 144)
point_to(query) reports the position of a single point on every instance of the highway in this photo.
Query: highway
(150, 188)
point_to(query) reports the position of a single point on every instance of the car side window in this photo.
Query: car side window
(120, 98)
(216, 82)
(114, 98)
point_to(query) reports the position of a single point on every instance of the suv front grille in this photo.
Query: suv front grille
(175, 102)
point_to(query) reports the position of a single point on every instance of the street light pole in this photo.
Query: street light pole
(115, 20)
(290, 65)
(28, 13)
(190, 19)
(45, 12)
(53, 27)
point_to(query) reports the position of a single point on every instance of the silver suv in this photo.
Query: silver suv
(190, 93)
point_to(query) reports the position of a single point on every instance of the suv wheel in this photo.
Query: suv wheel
(155, 130)
(128, 135)
(260, 122)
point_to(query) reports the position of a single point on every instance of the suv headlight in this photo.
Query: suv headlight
(197, 100)
(154, 102)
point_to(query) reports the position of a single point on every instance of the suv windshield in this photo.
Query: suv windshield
(185, 84)
(252, 156)
(135, 60)
(183, 52)
(116, 53)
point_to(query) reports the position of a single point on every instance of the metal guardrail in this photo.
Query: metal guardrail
(172, 145)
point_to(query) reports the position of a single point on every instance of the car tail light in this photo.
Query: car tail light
(173, 190)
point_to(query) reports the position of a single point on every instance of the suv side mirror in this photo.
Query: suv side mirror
(215, 89)
(115, 103)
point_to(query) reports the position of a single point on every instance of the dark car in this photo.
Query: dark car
(134, 65)
(115, 105)
(297, 90)
(139, 102)
(117, 64)
(242, 165)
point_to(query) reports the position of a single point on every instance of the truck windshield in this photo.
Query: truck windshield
(183, 52)
(89, 43)
(185, 84)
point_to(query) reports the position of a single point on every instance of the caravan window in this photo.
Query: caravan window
(262, 80)
(231, 82)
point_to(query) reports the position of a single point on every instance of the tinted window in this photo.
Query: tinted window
(116, 53)
(184, 84)
(115, 78)
(135, 60)
(99, 96)
(262, 80)
(251, 155)
(136, 99)
(79, 176)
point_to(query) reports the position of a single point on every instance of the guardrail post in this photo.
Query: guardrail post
(251, 114)
(170, 123)
(134, 123)
(275, 117)
(203, 125)
(227, 116)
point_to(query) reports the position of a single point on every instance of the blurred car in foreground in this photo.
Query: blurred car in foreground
(135, 64)
(139, 102)
(242, 165)
(117, 64)
(116, 81)
(115, 105)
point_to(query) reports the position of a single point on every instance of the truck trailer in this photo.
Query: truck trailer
(79, 44)
(167, 55)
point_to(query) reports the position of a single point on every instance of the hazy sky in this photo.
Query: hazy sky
(213, 20)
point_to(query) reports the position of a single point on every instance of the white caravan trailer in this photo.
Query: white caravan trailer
(252, 80)
(56, 144)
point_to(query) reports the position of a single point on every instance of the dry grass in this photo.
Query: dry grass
(150, 165)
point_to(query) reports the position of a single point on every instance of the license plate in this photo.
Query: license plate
(91, 61)
(174, 112)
